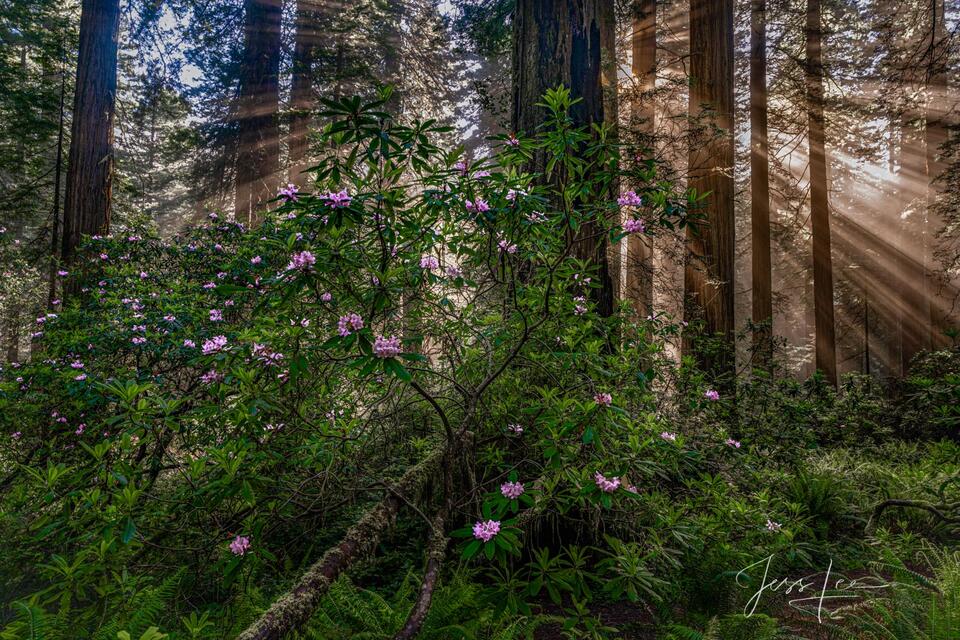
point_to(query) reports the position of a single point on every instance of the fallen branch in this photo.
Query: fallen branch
(940, 511)
(435, 553)
(293, 609)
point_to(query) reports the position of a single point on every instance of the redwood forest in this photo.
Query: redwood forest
(480, 319)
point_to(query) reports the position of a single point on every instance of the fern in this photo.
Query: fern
(917, 607)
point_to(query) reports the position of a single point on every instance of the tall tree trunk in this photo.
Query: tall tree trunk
(568, 42)
(644, 68)
(58, 171)
(760, 184)
(258, 156)
(13, 333)
(819, 202)
(709, 273)
(90, 165)
(301, 90)
(913, 307)
(393, 39)
(936, 136)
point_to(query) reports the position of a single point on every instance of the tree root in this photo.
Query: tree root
(435, 552)
(293, 609)
(948, 512)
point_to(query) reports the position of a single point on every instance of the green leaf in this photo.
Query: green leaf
(129, 530)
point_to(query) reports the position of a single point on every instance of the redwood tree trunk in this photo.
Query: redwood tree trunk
(644, 49)
(760, 183)
(936, 135)
(301, 90)
(709, 273)
(258, 155)
(568, 42)
(90, 166)
(913, 309)
(819, 203)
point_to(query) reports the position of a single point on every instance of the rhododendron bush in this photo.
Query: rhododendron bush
(406, 351)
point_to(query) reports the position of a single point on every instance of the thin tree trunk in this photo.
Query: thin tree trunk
(913, 301)
(90, 165)
(258, 156)
(709, 273)
(819, 202)
(13, 334)
(644, 68)
(936, 136)
(866, 330)
(567, 42)
(760, 185)
(301, 90)
(58, 171)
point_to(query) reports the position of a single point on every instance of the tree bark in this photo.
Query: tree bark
(90, 164)
(709, 273)
(644, 69)
(258, 155)
(936, 136)
(570, 43)
(913, 309)
(58, 173)
(293, 609)
(760, 185)
(819, 201)
(301, 90)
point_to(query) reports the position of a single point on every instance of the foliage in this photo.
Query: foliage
(216, 409)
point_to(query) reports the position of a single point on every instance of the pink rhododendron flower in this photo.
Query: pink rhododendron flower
(349, 323)
(511, 490)
(337, 200)
(669, 437)
(513, 141)
(454, 271)
(63, 273)
(486, 530)
(326, 297)
(303, 261)
(607, 485)
(429, 263)
(256, 260)
(216, 315)
(288, 193)
(478, 206)
(515, 428)
(387, 347)
(214, 345)
(603, 399)
(633, 226)
(189, 344)
(240, 545)
(733, 443)
(507, 247)
(630, 199)
(773, 526)
(210, 377)
(138, 340)
(712, 395)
